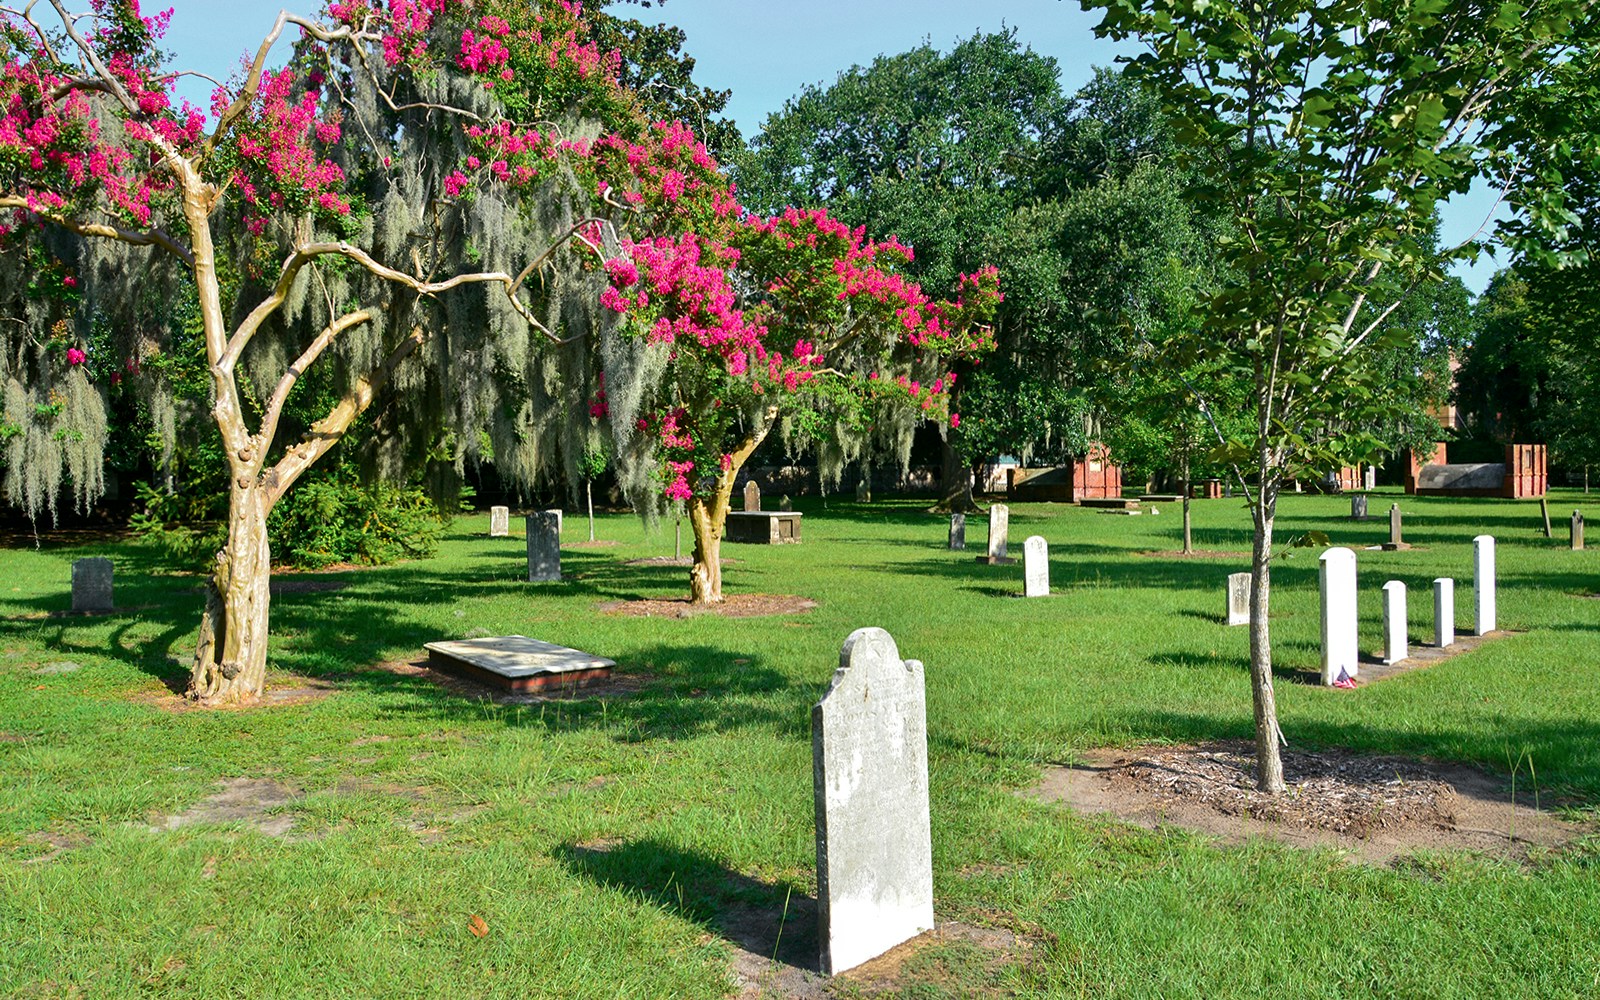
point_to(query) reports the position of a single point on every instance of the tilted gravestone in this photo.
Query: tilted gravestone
(1340, 657)
(752, 496)
(1396, 640)
(544, 547)
(1035, 567)
(1444, 612)
(869, 747)
(1240, 587)
(958, 532)
(1358, 507)
(91, 584)
(1483, 585)
(1577, 531)
(499, 522)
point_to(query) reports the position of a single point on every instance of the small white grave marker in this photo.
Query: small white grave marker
(1240, 588)
(1396, 641)
(1035, 567)
(499, 522)
(1340, 656)
(999, 528)
(869, 747)
(1483, 595)
(1444, 612)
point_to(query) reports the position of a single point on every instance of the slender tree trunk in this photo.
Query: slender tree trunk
(588, 493)
(230, 664)
(1269, 762)
(1188, 533)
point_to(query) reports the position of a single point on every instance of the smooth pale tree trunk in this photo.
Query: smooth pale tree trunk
(708, 516)
(1188, 532)
(1269, 761)
(588, 494)
(231, 659)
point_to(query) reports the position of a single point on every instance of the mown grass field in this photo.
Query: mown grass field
(608, 844)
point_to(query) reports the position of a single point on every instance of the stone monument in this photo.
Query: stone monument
(1358, 507)
(1444, 612)
(1340, 658)
(499, 522)
(1483, 596)
(544, 547)
(752, 496)
(1396, 641)
(1395, 542)
(958, 532)
(999, 529)
(1240, 587)
(1035, 567)
(91, 585)
(1577, 531)
(869, 749)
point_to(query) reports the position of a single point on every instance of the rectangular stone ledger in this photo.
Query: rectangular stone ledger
(869, 745)
(763, 527)
(1483, 585)
(958, 532)
(1240, 587)
(544, 547)
(1035, 567)
(499, 522)
(518, 663)
(91, 585)
(1396, 641)
(1444, 612)
(1340, 656)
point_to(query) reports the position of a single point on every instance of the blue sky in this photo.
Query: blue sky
(766, 50)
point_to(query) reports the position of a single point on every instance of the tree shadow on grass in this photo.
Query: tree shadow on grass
(1188, 660)
(772, 921)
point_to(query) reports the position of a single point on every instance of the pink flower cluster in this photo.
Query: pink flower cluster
(278, 150)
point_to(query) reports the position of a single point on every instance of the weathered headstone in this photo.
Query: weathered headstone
(1240, 587)
(1444, 612)
(1483, 584)
(1035, 567)
(1340, 657)
(786, 505)
(1395, 538)
(499, 522)
(1396, 641)
(752, 496)
(544, 547)
(999, 529)
(958, 532)
(91, 584)
(1358, 507)
(869, 749)
(1577, 531)
(560, 519)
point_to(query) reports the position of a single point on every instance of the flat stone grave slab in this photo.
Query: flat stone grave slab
(763, 527)
(1160, 498)
(518, 663)
(1110, 503)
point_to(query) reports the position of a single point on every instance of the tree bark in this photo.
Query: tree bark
(1269, 762)
(588, 495)
(1188, 533)
(230, 665)
(708, 515)
(955, 482)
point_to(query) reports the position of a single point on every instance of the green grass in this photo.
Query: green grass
(612, 845)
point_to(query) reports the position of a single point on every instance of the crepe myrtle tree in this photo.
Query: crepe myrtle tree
(321, 217)
(1326, 135)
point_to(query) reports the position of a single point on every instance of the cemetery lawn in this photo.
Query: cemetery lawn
(612, 847)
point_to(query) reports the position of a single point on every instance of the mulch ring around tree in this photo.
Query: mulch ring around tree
(282, 691)
(732, 606)
(1377, 808)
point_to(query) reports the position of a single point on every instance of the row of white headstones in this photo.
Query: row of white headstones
(1341, 657)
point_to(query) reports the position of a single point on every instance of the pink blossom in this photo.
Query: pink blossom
(76, 357)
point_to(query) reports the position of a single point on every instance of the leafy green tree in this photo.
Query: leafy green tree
(1326, 135)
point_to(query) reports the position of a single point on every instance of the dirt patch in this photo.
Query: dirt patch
(251, 801)
(1375, 807)
(1197, 554)
(597, 544)
(673, 561)
(732, 606)
(280, 587)
(279, 694)
(615, 686)
(55, 844)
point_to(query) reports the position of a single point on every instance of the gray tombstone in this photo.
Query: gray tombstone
(869, 749)
(1358, 507)
(1577, 531)
(1240, 587)
(91, 584)
(544, 547)
(1035, 567)
(1394, 525)
(958, 532)
(499, 522)
(999, 529)
(752, 496)
(786, 505)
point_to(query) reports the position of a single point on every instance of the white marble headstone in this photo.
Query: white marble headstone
(1340, 656)
(1444, 612)
(1240, 588)
(999, 527)
(1035, 567)
(1483, 585)
(869, 746)
(1396, 640)
(499, 522)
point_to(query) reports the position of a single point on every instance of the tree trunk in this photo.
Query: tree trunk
(955, 482)
(230, 664)
(588, 494)
(1188, 532)
(1269, 763)
(706, 521)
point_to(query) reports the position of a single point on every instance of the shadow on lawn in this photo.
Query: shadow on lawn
(772, 921)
